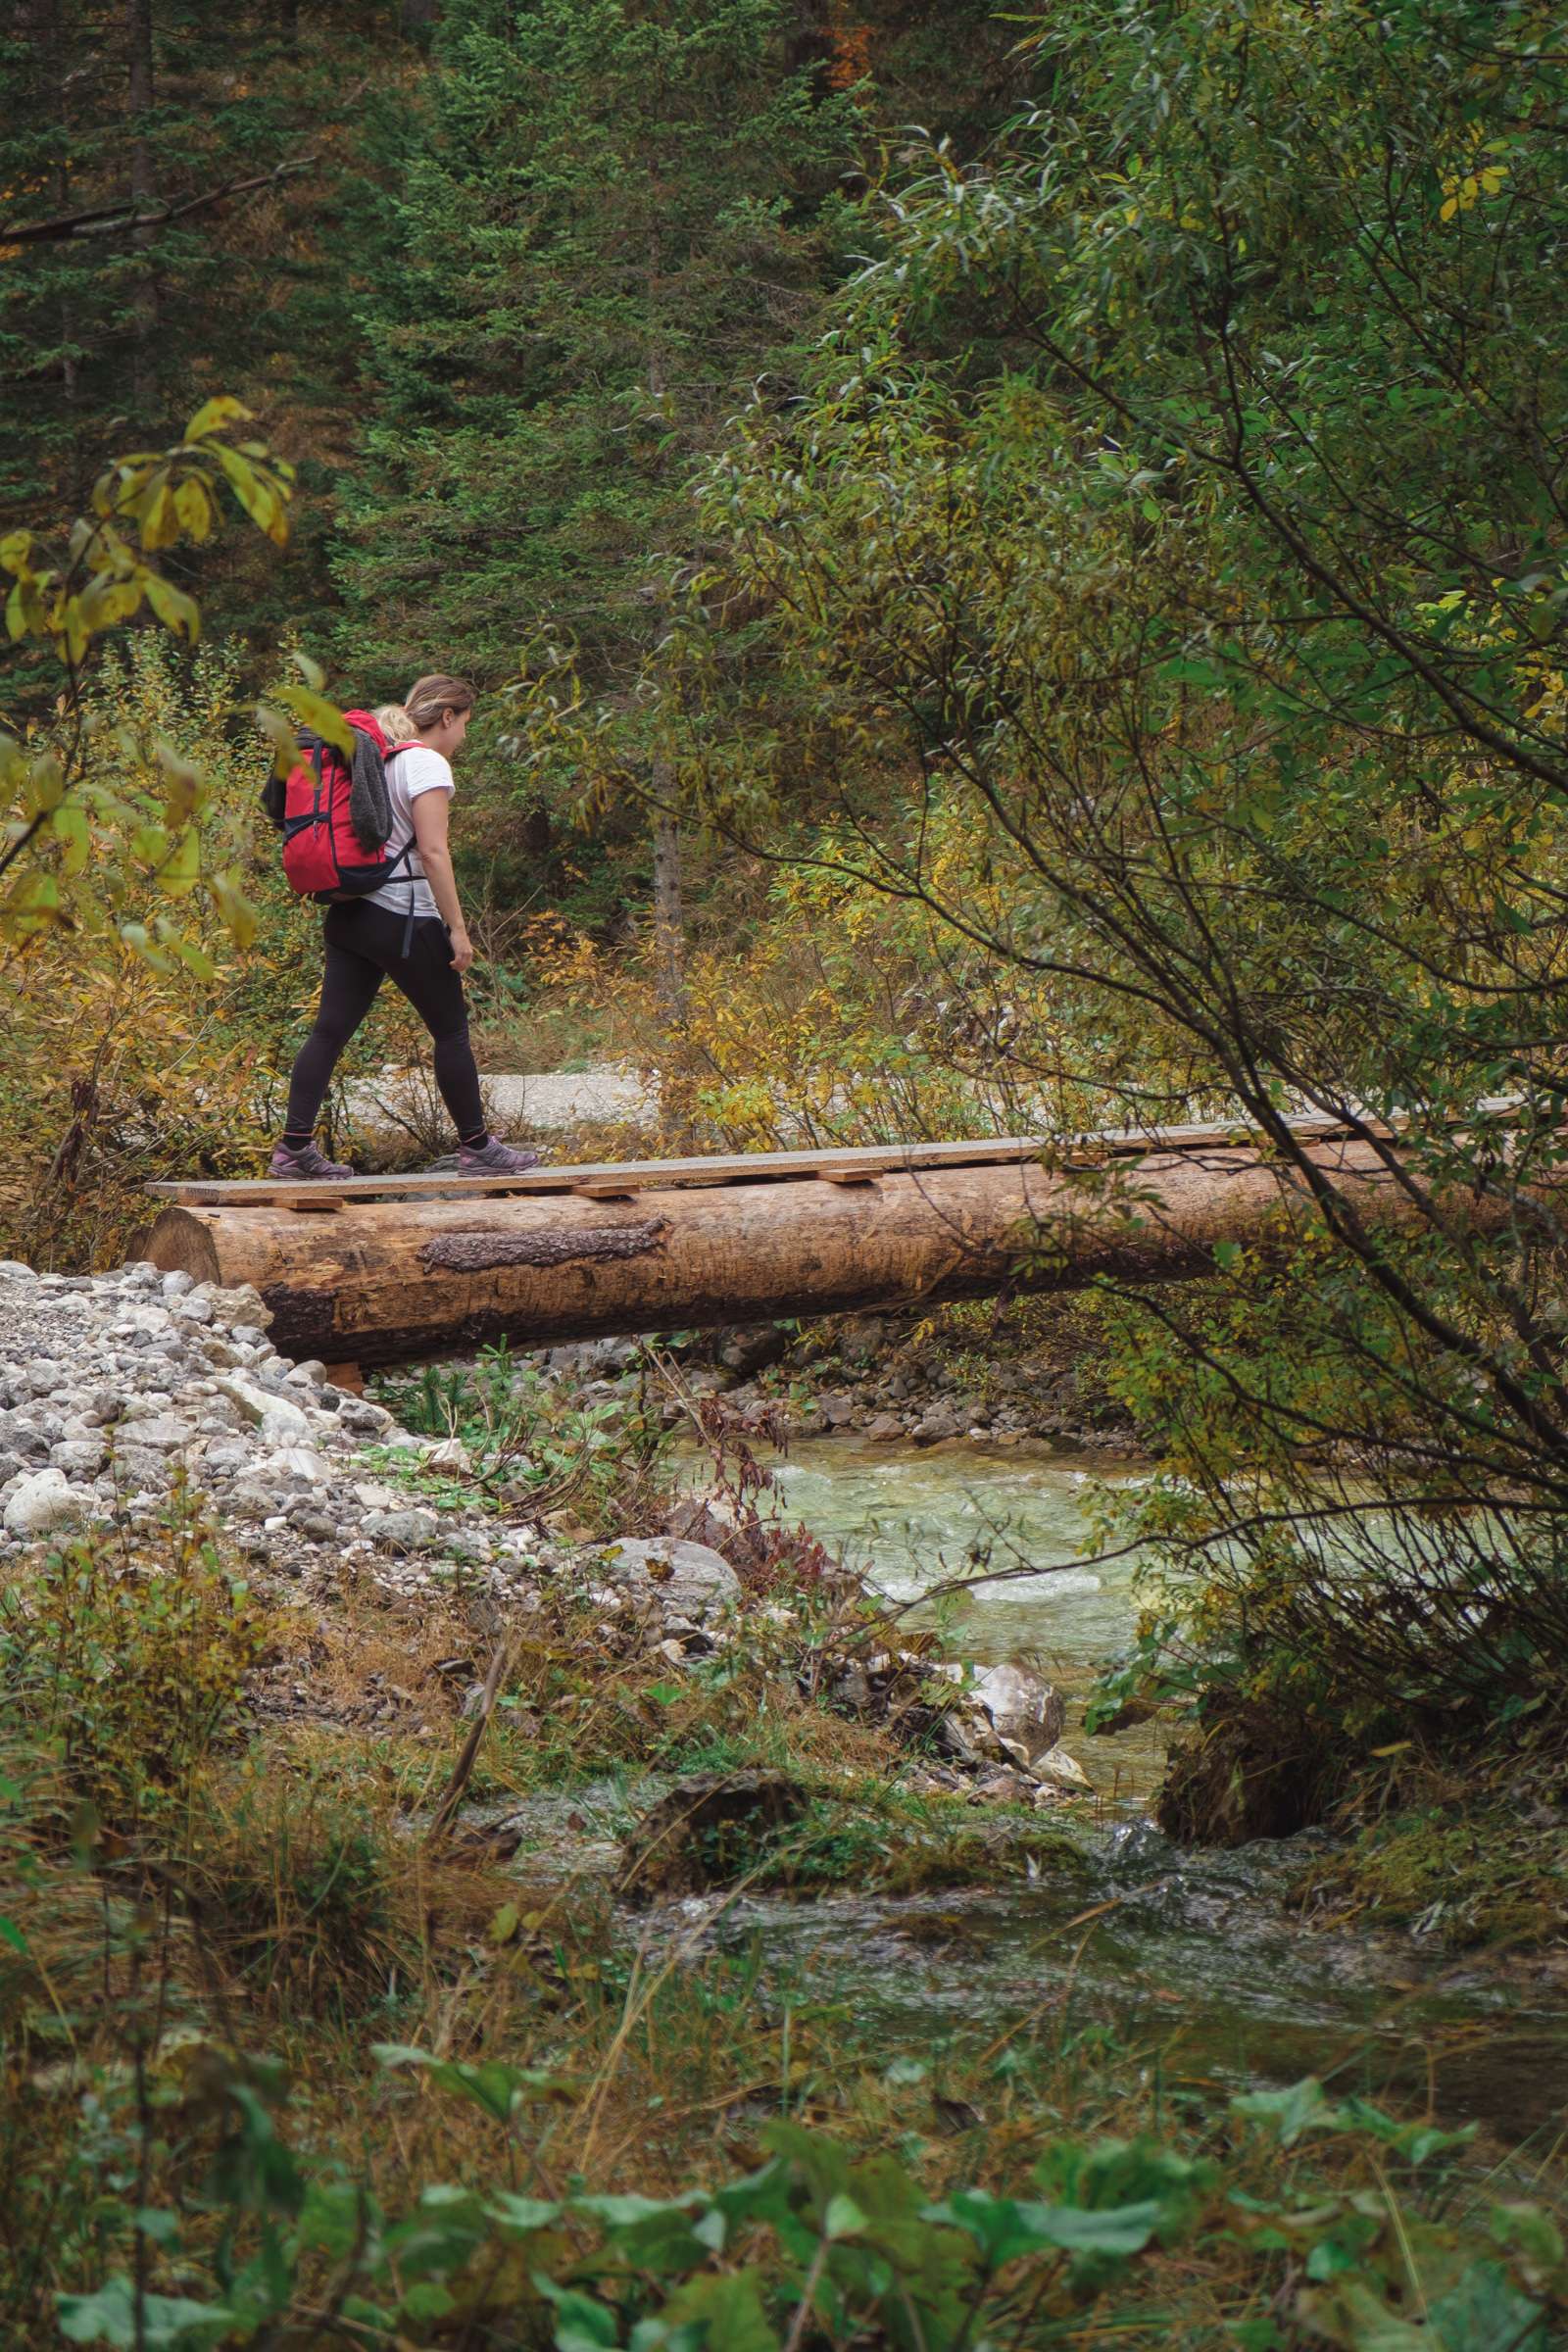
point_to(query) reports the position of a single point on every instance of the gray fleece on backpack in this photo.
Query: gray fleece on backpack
(369, 802)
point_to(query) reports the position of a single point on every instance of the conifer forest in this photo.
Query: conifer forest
(784, 1175)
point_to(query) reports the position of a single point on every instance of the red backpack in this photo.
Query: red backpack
(335, 816)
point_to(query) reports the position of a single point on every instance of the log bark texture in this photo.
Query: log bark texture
(393, 1280)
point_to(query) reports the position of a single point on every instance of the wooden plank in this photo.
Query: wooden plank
(851, 1163)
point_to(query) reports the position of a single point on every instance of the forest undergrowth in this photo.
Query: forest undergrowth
(283, 2067)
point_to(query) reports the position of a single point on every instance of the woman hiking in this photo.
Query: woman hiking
(411, 932)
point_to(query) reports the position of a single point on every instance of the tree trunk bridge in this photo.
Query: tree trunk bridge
(388, 1269)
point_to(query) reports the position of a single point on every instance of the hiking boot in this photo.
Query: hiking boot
(304, 1164)
(492, 1157)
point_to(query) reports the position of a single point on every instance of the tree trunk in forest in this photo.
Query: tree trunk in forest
(143, 189)
(670, 914)
(391, 1280)
(669, 920)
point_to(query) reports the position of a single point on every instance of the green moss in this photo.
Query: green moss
(1487, 1872)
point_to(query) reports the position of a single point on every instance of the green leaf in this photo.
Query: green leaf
(843, 2218)
(109, 2316)
(1003, 2226)
(1286, 2113)
(727, 2307)
(581, 2323)
(525, 2214)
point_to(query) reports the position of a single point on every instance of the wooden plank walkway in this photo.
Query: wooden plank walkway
(608, 1180)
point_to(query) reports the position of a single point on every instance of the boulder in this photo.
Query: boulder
(689, 1579)
(44, 1501)
(711, 1828)
(937, 1425)
(1057, 1770)
(284, 1427)
(1019, 1706)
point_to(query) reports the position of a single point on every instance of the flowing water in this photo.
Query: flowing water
(1196, 1956)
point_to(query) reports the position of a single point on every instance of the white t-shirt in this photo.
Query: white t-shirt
(407, 774)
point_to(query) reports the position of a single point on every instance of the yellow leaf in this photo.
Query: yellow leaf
(279, 731)
(325, 718)
(215, 414)
(256, 494)
(175, 608)
(234, 908)
(179, 872)
(194, 508)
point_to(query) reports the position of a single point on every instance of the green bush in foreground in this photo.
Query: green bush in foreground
(821, 2247)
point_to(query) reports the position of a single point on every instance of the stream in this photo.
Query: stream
(1192, 1958)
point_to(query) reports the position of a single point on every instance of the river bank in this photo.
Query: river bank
(399, 1726)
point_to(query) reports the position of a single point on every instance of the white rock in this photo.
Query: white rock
(284, 1425)
(1060, 1771)
(176, 1285)
(165, 1433)
(42, 1501)
(1022, 1708)
(688, 1578)
(79, 1458)
(280, 1422)
(448, 1454)
(296, 1461)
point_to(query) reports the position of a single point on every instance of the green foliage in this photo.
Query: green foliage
(127, 1673)
(853, 2241)
(1171, 596)
(533, 1441)
(643, 200)
(61, 795)
(125, 1062)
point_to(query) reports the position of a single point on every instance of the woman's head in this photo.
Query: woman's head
(435, 709)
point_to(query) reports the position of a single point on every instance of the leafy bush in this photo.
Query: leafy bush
(127, 1671)
(846, 2250)
(538, 1443)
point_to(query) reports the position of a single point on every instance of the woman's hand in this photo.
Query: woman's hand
(461, 949)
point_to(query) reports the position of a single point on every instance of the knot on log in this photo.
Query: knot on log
(478, 1252)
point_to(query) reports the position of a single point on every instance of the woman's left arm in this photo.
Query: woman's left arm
(430, 812)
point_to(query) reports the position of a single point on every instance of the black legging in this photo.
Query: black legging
(363, 948)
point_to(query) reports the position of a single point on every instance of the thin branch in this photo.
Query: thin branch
(121, 219)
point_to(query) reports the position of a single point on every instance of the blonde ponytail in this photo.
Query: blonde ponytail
(430, 697)
(394, 722)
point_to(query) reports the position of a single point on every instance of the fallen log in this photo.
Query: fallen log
(412, 1274)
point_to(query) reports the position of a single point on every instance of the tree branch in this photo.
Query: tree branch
(119, 220)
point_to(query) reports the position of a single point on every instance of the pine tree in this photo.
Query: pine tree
(170, 174)
(617, 214)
